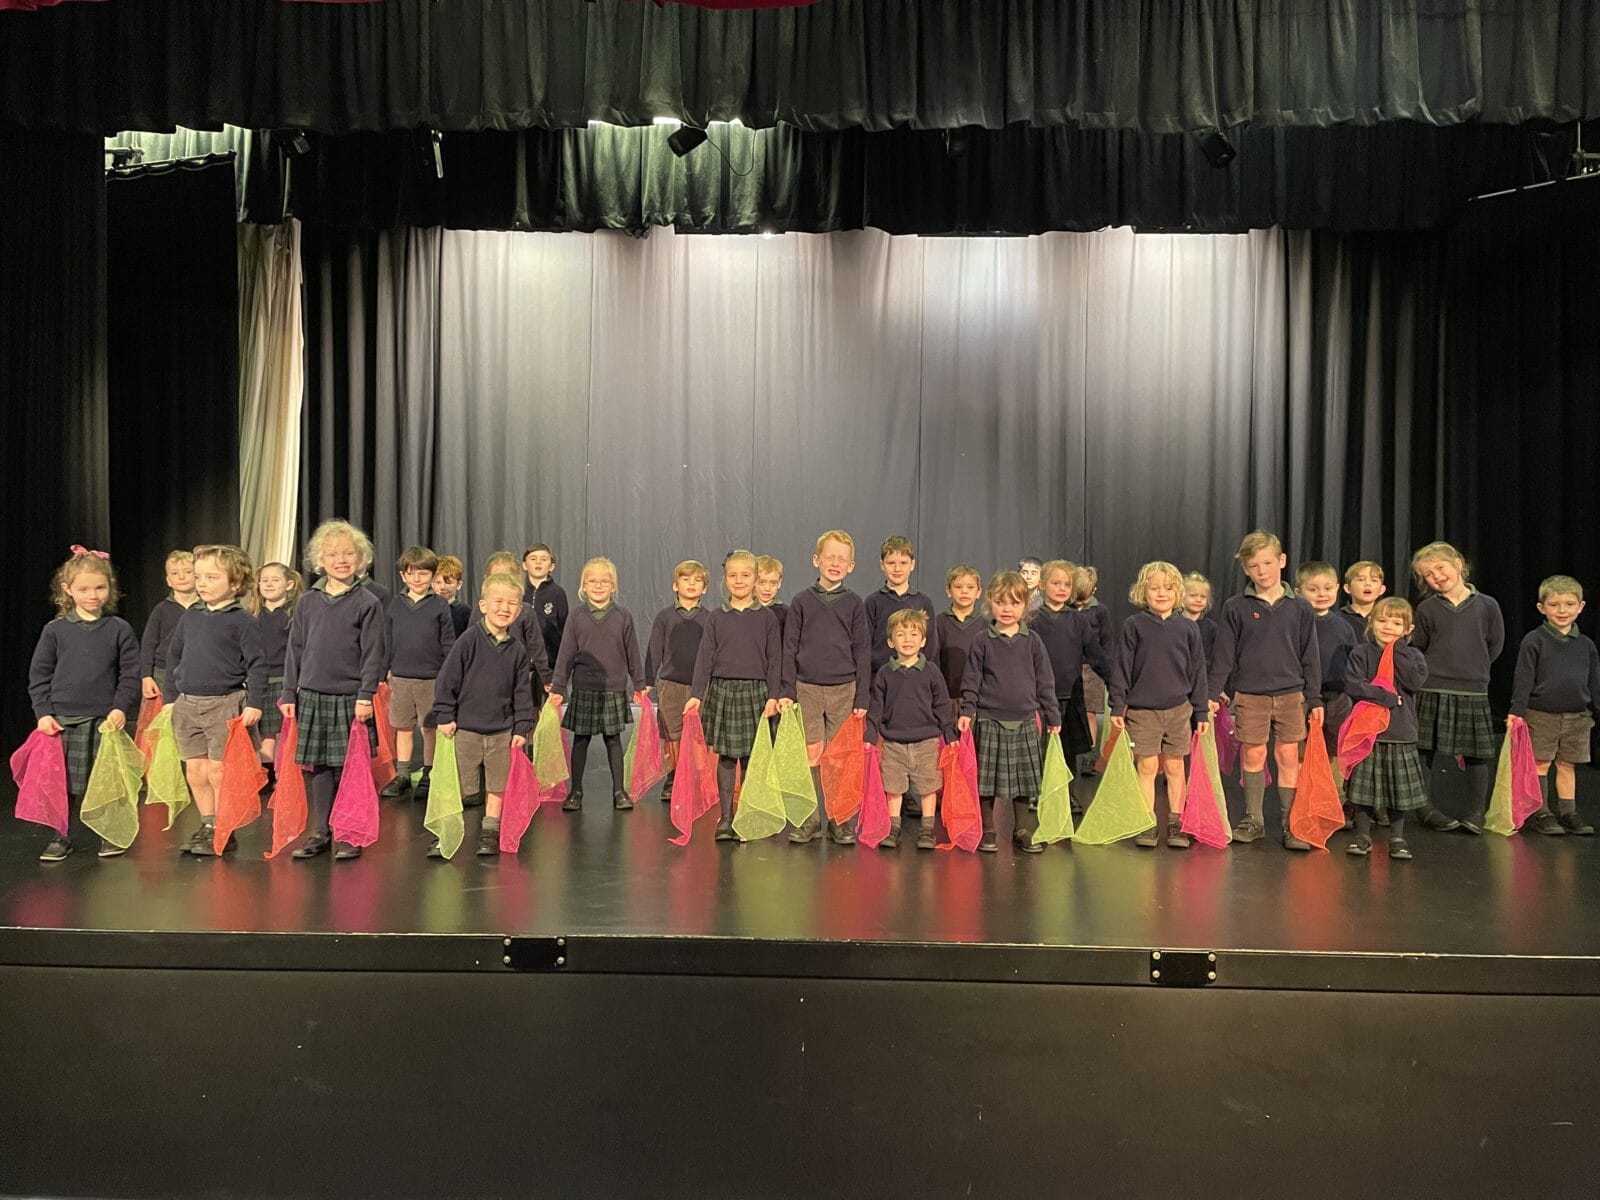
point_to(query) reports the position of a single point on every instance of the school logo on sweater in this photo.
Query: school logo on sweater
(549, 608)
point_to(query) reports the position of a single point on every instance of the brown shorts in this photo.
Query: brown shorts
(491, 751)
(670, 699)
(1094, 691)
(410, 704)
(1153, 731)
(1560, 737)
(1280, 718)
(825, 707)
(200, 724)
(905, 766)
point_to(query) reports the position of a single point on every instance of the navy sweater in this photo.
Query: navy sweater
(1208, 636)
(1070, 639)
(781, 611)
(383, 594)
(910, 704)
(1160, 664)
(825, 642)
(1460, 643)
(1269, 649)
(599, 652)
(1335, 640)
(335, 645)
(1009, 679)
(214, 653)
(418, 635)
(84, 668)
(527, 631)
(738, 645)
(158, 627)
(484, 685)
(1104, 627)
(881, 604)
(274, 626)
(1410, 673)
(955, 640)
(1356, 621)
(551, 609)
(1556, 674)
(674, 643)
(460, 615)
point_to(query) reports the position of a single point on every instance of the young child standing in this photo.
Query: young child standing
(1461, 632)
(1091, 691)
(1196, 604)
(483, 701)
(897, 560)
(277, 588)
(736, 678)
(447, 582)
(85, 670)
(1158, 691)
(529, 628)
(958, 625)
(418, 634)
(1317, 583)
(598, 659)
(1031, 568)
(1363, 583)
(163, 619)
(769, 581)
(1267, 643)
(1389, 780)
(1556, 691)
(332, 670)
(1008, 682)
(909, 713)
(1073, 644)
(549, 601)
(215, 671)
(670, 657)
(826, 665)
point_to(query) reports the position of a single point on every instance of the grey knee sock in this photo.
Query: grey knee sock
(490, 824)
(1255, 792)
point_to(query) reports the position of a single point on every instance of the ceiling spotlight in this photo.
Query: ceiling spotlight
(685, 139)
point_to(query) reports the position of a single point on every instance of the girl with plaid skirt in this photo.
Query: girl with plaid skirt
(1007, 683)
(1461, 632)
(332, 669)
(85, 670)
(1389, 779)
(598, 659)
(736, 678)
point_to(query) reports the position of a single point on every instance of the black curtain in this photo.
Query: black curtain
(876, 64)
(173, 366)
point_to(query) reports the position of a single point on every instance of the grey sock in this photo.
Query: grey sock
(1255, 793)
(490, 824)
(926, 820)
(1566, 807)
(1286, 798)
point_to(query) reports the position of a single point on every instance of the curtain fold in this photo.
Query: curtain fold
(271, 386)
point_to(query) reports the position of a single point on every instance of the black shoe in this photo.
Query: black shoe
(666, 787)
(344, 851)
(1431, 818)
(396, 787)
(314, 845)
(58, 849)
(1546, 822)
(111, 849)
(1249, 829)
(1472, 823)
(436, 850)
(1148, 840)
(1574, 824)
(925, 840)
(1399, 849)
(912, 806)
(201, 844)
(198, 838)
(988, 843)
(488, 843)
(1022, 841)
(621, 801)
(420, 791)
(725, 831)
(1360, 846)
(841, 835)
(809, 832)
(1290, 842)
(1177, 839)
(573, 802)
(892, 840)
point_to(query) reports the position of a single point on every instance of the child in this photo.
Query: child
(483, 701)
(277, 588)
(1461, 632)
(1363, 583)
(1317, 583)
(669, 660)
(769, 580)
(1091, 691)
(1158, 691)
(332, 669)
(215, 671)
(736, 677)
(1008, 682)
(417, 634)
(163, 619)
(910, 712)
(1556, 691)
(447, 582)
(1031, 568)
(957, 626)
(1072, 642)
(528, 628)
(1267, 642)
(1196, 604)
(85, 670)
(1389, 780)
(897, 560)
(826, 665)
(549, 602)
(599, 656)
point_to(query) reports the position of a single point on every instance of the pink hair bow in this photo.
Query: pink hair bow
(76, 549)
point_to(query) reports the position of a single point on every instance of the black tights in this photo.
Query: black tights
(1397, 824)
(726, 766)
(580, 759)
(1480, 779)
(324, 787)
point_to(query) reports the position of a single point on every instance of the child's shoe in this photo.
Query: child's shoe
(666, 786)
(925, 838)
(1022, 841)
(1177, 839)
(892, 840)
(1359, 847)
(1149, 839)
(345, 851)
(488, 843)
(989, 843)
(396, 787)
(1249, 829)
(1546, 822)
(58, 849)
(573, 802)
(808, 832)
(314, 845)
(420, 791)
(436, 850)
(200, 845)
(111, 849)
(621, 801)
(1574, 824)
(1399, 849)
(841, 835)
(198, 838)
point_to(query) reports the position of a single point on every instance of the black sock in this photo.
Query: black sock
(1480, 782)
(1364, 823)
(986, 807)
(1429, 758)
(324, 787)
(580, 760)
(1397, 827)
(614, 757)
(726, 766)
(1024, 819)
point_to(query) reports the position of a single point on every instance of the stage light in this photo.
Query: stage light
(685, 139)
(1218, 150)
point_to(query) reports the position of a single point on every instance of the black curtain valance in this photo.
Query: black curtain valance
(1171, 66)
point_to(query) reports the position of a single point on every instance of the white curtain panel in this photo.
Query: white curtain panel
(271, 385)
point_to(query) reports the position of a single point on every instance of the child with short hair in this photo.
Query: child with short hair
(897, 560)
(736, 673)
(1073, 643)
(1267, 642)
(163, 619)
(1317, 583)
(483, 702)
(278, 586)
(670, 657)
(958, 625)
(598, 659)
(826, 665)
(909, 713)
(332, 670)
(1008, 683)
(527, 628)
(84, 670)
(1389, 780)
(1091, 689)
(1556, 690)
(1031, 568)
(1363, 583)
(549, 602)
(216, 671)
(417, 634)
(447, 581)
(769, 580)
(1461, 632)
(1158, 691)
(1196, 604)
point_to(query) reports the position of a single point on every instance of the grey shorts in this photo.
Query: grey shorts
(670, 699)
(410, 704)
(825, 707)
(200, 724)
(1094, 691)
(910, 767)
(1153, 731)
(1281, 718)
(1560, 737)
(491, 751)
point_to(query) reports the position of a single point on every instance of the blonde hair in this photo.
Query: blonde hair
(1007, 585)
(691, 567)
(959, 571)
(599, 563)
(1084, 581)
(1366, 564)
(837, 535)
(1255, 542)
(180, 556)
(741, 556)
(505, 579)
(62, 579)
(897, 544)
(1560, 585)
(1193, 580)
(902, 617)
(450, 567)
(1139, 593)
(1048, 569)
(294, 583)
(499, 556)
(1310, 570)
(241, 573)
(767, 565)
(330, 531)
(1391, 606)
(1434, 551)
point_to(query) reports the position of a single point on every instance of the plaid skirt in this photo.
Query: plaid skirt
(1075, 737)
(1008, 760)
(588, 713)
(324, 722)
(1389, 779)
(731, 714)
(79, 741)
(271, 723)
(1450, 723)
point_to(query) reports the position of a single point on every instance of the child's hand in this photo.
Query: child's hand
(448, 729)
(1212, 706)
(116, 718)
(363, 711)
(771, 709)
(641, 696)
(785, 704)
(1052, 730)
(858, 712)
(517, 740)
(49, 726)
(964, 723)
(286, 709)
(149, 688)
(1119, 722)
(250, 716)
(547, 688)
(691, 705)
(1202, 727)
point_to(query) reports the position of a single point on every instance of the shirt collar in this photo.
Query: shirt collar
(817, 587)
(994, 632)
(966, 620)
(499, 639)
(419, 601)
(908, 592)
(688, 612)
(896, 665)
(755, 606)
(222, 608)
(598, 613)
(321, 585)
(1283, 593)
(1550, 628)
(1472, 593)
(72, 615)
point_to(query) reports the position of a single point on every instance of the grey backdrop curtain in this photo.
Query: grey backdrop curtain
(1109, 397)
